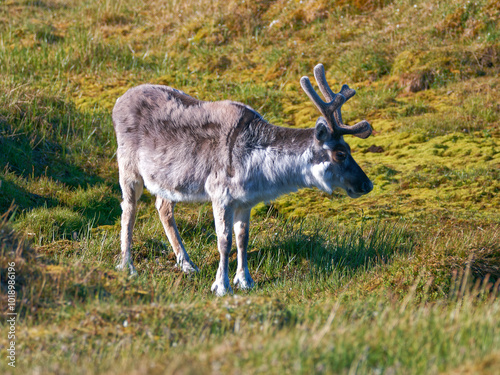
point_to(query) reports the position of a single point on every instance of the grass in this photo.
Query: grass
(404, 280)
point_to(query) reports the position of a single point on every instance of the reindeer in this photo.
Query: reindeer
(184, 149)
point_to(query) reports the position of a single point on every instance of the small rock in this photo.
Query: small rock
(375, 149)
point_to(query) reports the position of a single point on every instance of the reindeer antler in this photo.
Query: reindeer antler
(331, 109)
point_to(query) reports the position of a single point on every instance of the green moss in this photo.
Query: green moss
(405, 62)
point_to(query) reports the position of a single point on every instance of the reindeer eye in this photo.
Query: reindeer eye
(341, 155)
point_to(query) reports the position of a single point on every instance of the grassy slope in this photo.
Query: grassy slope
(382, 284)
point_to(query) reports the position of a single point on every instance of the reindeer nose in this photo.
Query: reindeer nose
(367, 186)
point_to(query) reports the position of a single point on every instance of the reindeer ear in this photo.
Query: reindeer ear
(323, 131)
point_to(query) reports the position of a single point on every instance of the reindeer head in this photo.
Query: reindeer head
(333, 163)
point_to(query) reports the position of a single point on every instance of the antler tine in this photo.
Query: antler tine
(313, 95)
(319, 74)
(361, 130)
(326, 109)
(346, 92)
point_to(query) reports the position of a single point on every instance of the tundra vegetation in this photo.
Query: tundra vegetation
(404, 280)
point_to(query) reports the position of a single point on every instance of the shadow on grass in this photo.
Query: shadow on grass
(12, 193)
(31, 155)
(49, 145)
(294, 247)
(321, 251)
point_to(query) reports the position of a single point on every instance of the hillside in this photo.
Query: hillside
(403, 280)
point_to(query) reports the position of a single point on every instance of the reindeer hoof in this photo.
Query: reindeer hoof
(243, 281)
(127, 266)
(187, 267)
(221, 288)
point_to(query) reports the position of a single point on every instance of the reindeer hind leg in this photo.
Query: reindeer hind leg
(131, 192)
(166, 211)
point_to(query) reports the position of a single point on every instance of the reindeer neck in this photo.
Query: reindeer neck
(276, 159)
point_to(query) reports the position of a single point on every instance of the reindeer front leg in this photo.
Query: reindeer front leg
(223, 216)
(242, 280)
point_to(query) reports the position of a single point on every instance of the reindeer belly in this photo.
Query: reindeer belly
(173, 178)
